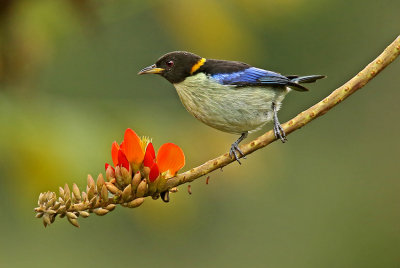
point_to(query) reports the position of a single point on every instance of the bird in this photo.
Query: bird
(230, 96)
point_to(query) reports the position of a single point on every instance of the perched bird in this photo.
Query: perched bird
(231, 96)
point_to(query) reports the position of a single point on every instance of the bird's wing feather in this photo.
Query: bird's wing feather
(251, 77)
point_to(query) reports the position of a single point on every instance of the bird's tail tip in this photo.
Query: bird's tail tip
(307, 78)
(295, 81)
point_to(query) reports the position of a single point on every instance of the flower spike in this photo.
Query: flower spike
(137, 173)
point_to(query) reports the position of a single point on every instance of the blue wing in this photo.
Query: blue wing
(251, 77)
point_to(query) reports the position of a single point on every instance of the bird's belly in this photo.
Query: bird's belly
(228, 108)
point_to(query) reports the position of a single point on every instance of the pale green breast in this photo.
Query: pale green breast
(228, 108)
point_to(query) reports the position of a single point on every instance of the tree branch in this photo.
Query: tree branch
(305, 117)
(127, 189)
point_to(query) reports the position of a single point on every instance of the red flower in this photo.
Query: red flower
(122, 161)
(132, 147)
(118, 156)
(169, 160)
(130, 153)
(109, 166)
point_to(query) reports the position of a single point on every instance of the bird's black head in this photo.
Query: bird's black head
(175, 66)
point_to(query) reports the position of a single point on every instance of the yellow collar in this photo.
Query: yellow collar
(197, 65)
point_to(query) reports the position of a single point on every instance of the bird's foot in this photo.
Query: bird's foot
(235, 147)
(279, 132)
(233, 153)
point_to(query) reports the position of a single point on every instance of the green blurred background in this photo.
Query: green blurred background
(330, 197)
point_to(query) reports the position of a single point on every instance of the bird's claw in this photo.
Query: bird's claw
(279, 132)
(233, 153)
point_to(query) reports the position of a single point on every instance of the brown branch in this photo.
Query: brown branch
(305, 117)
(126, 189)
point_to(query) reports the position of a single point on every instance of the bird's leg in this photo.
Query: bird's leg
(235, 147)
(278, 130)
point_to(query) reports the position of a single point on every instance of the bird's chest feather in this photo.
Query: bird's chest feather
(228, 108)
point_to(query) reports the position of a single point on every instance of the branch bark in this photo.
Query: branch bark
(305, 117)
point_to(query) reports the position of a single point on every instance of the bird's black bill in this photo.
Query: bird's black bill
(153, 69)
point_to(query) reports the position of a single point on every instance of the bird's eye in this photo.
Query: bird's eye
(170, 63)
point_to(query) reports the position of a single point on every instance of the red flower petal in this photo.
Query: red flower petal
(122, 160)
(170, 157)
(132, 147)
(114, 153)
(149, 156)
(108, 165)
(154, 172)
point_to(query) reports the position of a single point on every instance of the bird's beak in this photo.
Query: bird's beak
(151, 70)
